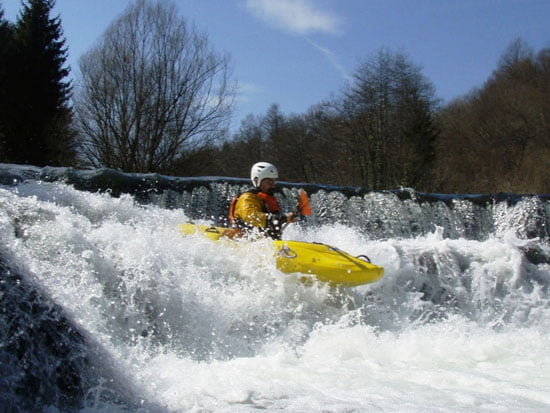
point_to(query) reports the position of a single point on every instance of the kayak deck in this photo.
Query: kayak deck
(328, 264)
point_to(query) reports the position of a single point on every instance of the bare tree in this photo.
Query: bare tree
(388, 116)
(150, 90)
(497, 137)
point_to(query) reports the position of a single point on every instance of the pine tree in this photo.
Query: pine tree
(38, 127)
(6, 34)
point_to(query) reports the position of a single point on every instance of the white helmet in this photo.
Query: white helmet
(263, 170)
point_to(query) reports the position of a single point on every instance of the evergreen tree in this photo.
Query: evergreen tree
(37, 125)
(6, 33)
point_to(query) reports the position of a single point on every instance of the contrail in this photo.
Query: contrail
(333, 60)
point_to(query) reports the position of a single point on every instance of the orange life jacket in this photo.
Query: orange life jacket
(232, 210)
(270, 202)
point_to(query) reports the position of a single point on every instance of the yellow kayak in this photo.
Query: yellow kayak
(328, 264)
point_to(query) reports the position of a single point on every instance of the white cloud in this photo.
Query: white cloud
(297, 16)
(246, 90)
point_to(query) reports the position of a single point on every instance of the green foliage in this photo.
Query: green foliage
(37, 117)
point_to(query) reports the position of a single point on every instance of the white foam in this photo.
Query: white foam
(455, 324)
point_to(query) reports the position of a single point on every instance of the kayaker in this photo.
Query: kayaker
(258, 209)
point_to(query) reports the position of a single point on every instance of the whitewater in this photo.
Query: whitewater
(106, 307)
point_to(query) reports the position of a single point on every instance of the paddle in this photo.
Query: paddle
(303, 207)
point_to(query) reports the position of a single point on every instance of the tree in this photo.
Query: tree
(497, 138)
(388, 113)
(150, 91)
(38, 116)
(514, 57)
(325, 152)
(6, 35)
(246, 148)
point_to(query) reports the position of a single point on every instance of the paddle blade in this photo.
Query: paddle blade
(304, 208)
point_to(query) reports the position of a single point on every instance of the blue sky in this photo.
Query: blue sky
(298, 53)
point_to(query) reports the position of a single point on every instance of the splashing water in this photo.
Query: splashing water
(107, 293)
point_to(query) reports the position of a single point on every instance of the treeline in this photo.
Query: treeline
(153, 96)
(387, 130)
(381, 133)
(497, 138)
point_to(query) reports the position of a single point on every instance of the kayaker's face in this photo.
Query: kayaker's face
(268, 185)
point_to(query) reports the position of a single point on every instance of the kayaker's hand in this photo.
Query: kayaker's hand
(291, 217)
